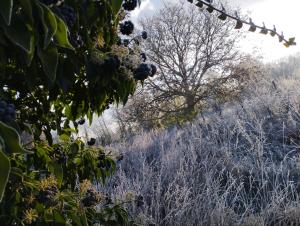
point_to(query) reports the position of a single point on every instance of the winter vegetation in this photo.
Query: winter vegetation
(237, 167)
(206, 134)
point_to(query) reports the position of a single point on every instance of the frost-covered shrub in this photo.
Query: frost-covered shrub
(238, 168)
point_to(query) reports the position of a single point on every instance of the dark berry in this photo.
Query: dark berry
(142, 72)
(81, 121)
(144, 57)
(112, 63)
(139, 201)
(91, 142)
(130, 5)
(144, 35)
(108, 200)
(67, 13)
(126, 28)
(153, 70)
(53, 125)
(62, 159)
(101, 156)
(47, 195)
(119, 41)
(7, 112)
(101, 164)
(76, 41)
(126, 42)
(91, 198)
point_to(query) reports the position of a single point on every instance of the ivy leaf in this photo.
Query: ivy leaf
(21, 34)
(116, 6)
(6, 10)
(64, 138)
(58, 172)
(49, 59)
(59, 219)
(26, 5)
(61, 35)
(11, 139)
(76, 219)
(50, 25)
(4, 172)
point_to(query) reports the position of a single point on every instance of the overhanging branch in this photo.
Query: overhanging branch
(239, 22)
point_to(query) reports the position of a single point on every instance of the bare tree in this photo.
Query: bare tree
(197, 57)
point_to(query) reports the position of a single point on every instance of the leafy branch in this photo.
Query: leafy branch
(208, 5)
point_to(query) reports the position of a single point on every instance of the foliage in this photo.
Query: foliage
(60, 61)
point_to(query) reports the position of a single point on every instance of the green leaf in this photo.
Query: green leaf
(50, 25)
(58, 172)
(49, 59)
(83, 220)
(11, 139)
(4, 172)
(61, 35)
(21, 34)
(6, 10)
(74, 148)
(76, 219)
(27, 7)
(59, 219)
(116, 6)
(64, 138)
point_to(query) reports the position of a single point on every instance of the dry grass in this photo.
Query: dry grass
(240, 168)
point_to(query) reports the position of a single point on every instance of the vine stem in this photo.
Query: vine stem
(288, 42)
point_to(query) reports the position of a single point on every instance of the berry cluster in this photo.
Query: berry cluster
(112, 62)
(76, 40)
(144, 71)
(130, 5)
(7, 112)
(144, 35)
(91, 198)
(127, 27)
(47, 195)
(139, 201)
(91, 142)
(60, 156)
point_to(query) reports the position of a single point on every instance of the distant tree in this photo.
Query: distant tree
(197, 58)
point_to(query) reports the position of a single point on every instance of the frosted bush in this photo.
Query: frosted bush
(238, 168)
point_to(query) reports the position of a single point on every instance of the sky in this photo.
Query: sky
(284, 15)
